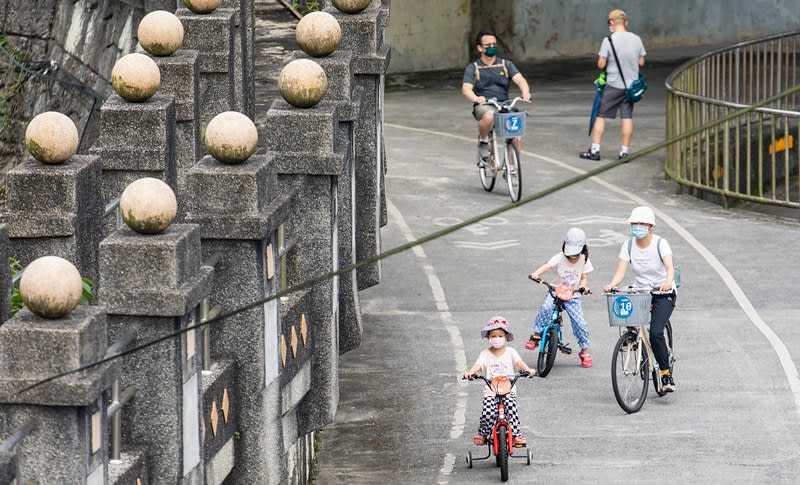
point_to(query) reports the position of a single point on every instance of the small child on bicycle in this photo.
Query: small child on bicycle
(498, 359)
(573, 267)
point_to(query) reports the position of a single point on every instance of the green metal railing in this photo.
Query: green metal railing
(753, 155)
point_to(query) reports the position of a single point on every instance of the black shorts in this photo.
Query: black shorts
(613, 101)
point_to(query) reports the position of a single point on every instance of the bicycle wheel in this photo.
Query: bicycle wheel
(502, 452)
(548, 348)
(513, 172)
(629, 373)
(486, 169)
(656, 373)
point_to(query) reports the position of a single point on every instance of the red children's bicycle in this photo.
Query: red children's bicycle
(500, 443)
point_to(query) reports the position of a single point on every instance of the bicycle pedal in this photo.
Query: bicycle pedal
(520, 446)
(564, 349)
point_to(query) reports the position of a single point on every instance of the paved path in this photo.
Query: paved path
(404, 415)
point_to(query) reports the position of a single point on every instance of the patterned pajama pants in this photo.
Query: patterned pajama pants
(489, 415)
(580, 328)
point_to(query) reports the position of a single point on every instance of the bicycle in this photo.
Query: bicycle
(508, 125)
(552, 339)
(633, 361)
(501, 441)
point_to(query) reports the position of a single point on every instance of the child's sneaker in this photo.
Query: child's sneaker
(533, 342)
(520, 441)
(479, 439)
(586, 358)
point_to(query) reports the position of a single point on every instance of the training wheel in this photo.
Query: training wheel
(469, 459)
(529, 455)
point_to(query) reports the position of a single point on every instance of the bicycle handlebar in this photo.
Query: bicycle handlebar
(522, 373)
(505, 105)
(638, 290)
(553, 287)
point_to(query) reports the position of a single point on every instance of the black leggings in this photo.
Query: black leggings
(659, 316)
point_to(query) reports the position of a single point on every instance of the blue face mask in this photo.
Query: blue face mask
(639, 231)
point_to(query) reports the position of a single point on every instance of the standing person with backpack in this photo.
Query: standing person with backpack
(650, 256)
(627, 60)
(488, 77)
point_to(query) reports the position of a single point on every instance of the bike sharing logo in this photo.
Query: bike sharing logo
(513, 124)
(622, 307)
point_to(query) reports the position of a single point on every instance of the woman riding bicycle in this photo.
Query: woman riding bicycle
(498, 359)
(573, 267)
(487, 77)
(650, 256)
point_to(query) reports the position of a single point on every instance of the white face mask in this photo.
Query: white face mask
(497, 342)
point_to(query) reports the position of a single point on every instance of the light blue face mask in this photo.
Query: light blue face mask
(639, 231)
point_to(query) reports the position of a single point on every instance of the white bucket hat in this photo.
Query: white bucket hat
(642, 215)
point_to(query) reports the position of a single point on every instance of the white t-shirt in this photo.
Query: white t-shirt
(498, 365)
(647, 266)
(569, 273)
(629, 49)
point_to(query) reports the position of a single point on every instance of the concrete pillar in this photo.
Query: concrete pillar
(362, 33)
(213, 36)
(153, 285)
(136, 140)
(180, 77)
(309, 159)
(55, 210)
(346, 97)
(239, 208)
(69, 441)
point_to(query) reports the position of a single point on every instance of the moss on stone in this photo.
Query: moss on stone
(37, 151)
(151, 225)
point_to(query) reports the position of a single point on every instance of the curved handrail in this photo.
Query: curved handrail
(752, 155)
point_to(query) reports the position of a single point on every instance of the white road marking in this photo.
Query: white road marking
(789, 369)
(459, 355)
(487, 246)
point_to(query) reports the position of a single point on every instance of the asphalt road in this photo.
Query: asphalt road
(406, 417)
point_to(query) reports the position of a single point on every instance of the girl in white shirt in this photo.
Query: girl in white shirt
(498, 360)
(573, 267)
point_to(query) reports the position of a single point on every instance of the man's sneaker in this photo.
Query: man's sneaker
(590, 155)
(667, 383)
(483, 150)
(623, 156)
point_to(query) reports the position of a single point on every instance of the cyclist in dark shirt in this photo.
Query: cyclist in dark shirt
(487, 77)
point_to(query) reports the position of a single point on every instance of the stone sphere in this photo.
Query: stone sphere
(148, 205)
(202, 6)
(303, 83)
(51, 287)
(318, 34)
(231, 137)
(136, 77)
(160, 33)
(351, 6)
(51, 137)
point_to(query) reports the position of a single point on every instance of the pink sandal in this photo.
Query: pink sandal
(586, 359)
(479, 440)
(520, 441)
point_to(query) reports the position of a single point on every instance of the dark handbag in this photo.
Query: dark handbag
(635, 92)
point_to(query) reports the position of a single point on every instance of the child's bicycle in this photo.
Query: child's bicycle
(501, 440)
(633, 361)
(508, 125)
(552, 340)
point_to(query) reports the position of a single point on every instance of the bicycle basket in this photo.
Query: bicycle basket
(628, 310)
(509, 125)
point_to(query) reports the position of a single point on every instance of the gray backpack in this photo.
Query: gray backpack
(675, 264)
